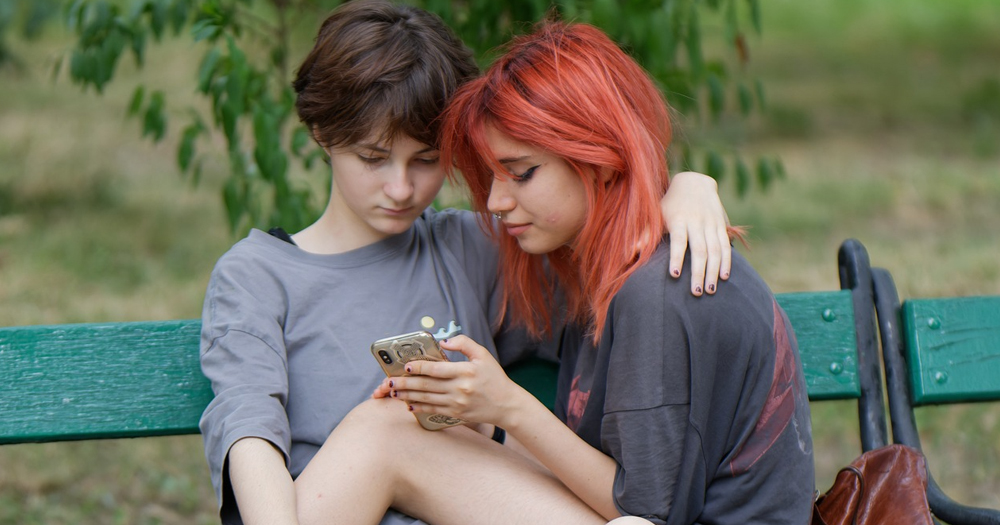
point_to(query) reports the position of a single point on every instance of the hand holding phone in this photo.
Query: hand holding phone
(392, 354)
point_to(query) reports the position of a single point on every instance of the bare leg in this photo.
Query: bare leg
(629, 520)
(379, 457)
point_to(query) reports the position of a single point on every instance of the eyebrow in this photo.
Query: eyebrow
(511, 160)
(379, 149)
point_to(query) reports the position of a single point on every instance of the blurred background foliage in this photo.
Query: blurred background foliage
(886, 116)
(249, 50)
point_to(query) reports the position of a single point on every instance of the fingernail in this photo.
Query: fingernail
(409, 369)
(725, 275)
(697, 289)
(675, 272)
(394, 394)
(410, 407)
(390, 384)
(711, 288)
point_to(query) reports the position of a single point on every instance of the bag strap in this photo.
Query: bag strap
(861, 490)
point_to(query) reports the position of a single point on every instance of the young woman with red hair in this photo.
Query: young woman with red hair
(671, 408)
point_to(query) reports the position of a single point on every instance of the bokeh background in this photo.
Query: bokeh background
(886, 116)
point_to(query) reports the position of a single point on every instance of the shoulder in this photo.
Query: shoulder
(454, 223)
(651, 286)
(460, 232)
(254, 261)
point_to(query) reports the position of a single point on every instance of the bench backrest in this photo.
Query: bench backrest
(952, 349)
(89, 381)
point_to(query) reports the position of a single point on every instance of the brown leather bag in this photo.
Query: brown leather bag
(885, 486)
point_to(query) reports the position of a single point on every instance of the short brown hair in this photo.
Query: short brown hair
(380, 69)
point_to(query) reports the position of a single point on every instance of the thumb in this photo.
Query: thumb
(469, 348)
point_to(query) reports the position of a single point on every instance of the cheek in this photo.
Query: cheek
(429, 181)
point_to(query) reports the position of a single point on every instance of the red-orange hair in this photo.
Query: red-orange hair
(569, 90)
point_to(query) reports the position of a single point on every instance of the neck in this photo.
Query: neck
(327, 236)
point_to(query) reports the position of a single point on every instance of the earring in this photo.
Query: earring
(497, 216)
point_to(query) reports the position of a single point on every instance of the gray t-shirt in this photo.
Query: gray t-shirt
(700, 400)
(286, 334)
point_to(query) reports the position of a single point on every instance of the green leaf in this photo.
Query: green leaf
(135, 104)
(745, 98)
(154, 121)
(716, 95)
(207, 70)
(205, 29)
(75, 14)
(235, 201)
(715, 167)
(157, 18)
(79, 67)
(138, 42)
(300, 139)
(178, 16)
(755, 17)
(185, 151)
(229, 117)
(742, 178)
(765, 173)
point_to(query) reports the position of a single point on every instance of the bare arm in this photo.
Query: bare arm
(261, 483)
(585, 470)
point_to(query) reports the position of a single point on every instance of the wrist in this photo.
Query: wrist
(519, 411)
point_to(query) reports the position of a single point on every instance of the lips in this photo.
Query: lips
(398, 212)
(515, 230)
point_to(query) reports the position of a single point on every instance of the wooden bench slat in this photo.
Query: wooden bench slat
(112, 380)
(824, 328)
(952, 349)
(89, 381)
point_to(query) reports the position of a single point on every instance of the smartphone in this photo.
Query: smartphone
(392, 354)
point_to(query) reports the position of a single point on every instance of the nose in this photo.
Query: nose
(399, 183)
(500, 199)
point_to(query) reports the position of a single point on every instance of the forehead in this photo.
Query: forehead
(400, 143)
(504, 149)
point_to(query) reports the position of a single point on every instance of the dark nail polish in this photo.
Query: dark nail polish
(711, 288)
(675, 273)
(390, 384)
(410, 407)
(697, 289)
(394, 394)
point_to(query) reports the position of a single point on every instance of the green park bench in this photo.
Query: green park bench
(140, 379)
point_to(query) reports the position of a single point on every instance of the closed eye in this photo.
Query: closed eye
(524, 177)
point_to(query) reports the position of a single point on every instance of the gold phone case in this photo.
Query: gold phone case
(392, 354)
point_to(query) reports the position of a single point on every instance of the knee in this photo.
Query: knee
(376, 420)
(381, 412)
(630, 520)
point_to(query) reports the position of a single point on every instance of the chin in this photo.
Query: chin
(535, 248)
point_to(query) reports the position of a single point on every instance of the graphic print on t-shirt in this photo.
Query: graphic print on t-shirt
(577, 404)
(779, 410)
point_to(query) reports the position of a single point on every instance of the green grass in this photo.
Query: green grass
(883, 114)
